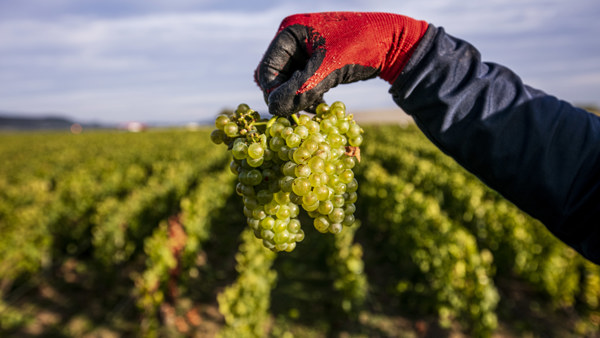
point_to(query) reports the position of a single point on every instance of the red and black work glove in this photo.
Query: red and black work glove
(312, 53)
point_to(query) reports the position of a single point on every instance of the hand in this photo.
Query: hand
(312, 53)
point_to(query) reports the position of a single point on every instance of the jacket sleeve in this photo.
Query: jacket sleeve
(539, 152)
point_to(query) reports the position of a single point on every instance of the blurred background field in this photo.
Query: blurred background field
(111, 233)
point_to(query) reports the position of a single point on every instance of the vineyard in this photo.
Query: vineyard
(108, 233)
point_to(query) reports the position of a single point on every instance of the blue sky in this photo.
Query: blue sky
(184, 60)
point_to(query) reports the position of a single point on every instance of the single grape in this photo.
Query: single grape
(267, 235)
(301, 186)
(221, 121)
(256, 150)
(356, 141)
(280, 225)
(353, 131)
(302, 170)
(217, 136)
(335, 228)
(325, 207)
(267, 223)
(301, 155)
(294, 226)
(321, 224)
(231, 129)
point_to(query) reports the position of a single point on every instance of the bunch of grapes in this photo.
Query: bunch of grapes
(284, 164)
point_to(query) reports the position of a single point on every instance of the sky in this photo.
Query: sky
(186, 60)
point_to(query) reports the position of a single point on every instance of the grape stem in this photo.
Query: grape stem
(295, 118)
(271, 121)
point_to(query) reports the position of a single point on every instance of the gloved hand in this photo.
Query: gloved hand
(312, 53)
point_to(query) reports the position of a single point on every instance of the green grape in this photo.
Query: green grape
(322, 192)
(352, 186)
(294, 226)
(288, 168)
(286, 132)
(269, 244)
(280, 225)
(254, 177)
(346, 176)
(302, 170)
(264, 196)
(282, 237)
(276, 143)
(291, 246)
(311, 145)
(242, 108)
(271, 208)
(348, 220)
(313, 127)
(329, 168)
(316, 164)
(301, 155)
(343, 126)
(251, 203)
(276, 129)
(259, 214)
(283, 212)
(339, 188)
(353, 131)
(267, 223)
(317, 179)
(293, 140)
(321, 224)
(253, 223)
(256, 150)
(269, 175)
(285, 184)
(325, 207)
(255, 162)
(335, 228)
(311, 207)
(310, 198)
(231, 129)
(303, 119)
(281, 246)
(326, 125)
(281, 197)
(322, 109)
(294, 209)
(302, 131)
(239, 151)
(247, 212)
(295, 198)
(217, 136)
(267, 234)
(338, 201)
(221, 121)
(284, 121)
(349, 208)
(349, 162)
(234, 167)
(299, 236)
(337, 215)
(352, 197)
(356, 141)
(301, 186)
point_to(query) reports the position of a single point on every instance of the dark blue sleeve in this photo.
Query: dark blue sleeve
(539, 152)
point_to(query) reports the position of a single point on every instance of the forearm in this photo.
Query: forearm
(539, 152)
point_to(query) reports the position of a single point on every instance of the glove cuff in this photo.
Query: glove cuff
(408, 32)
